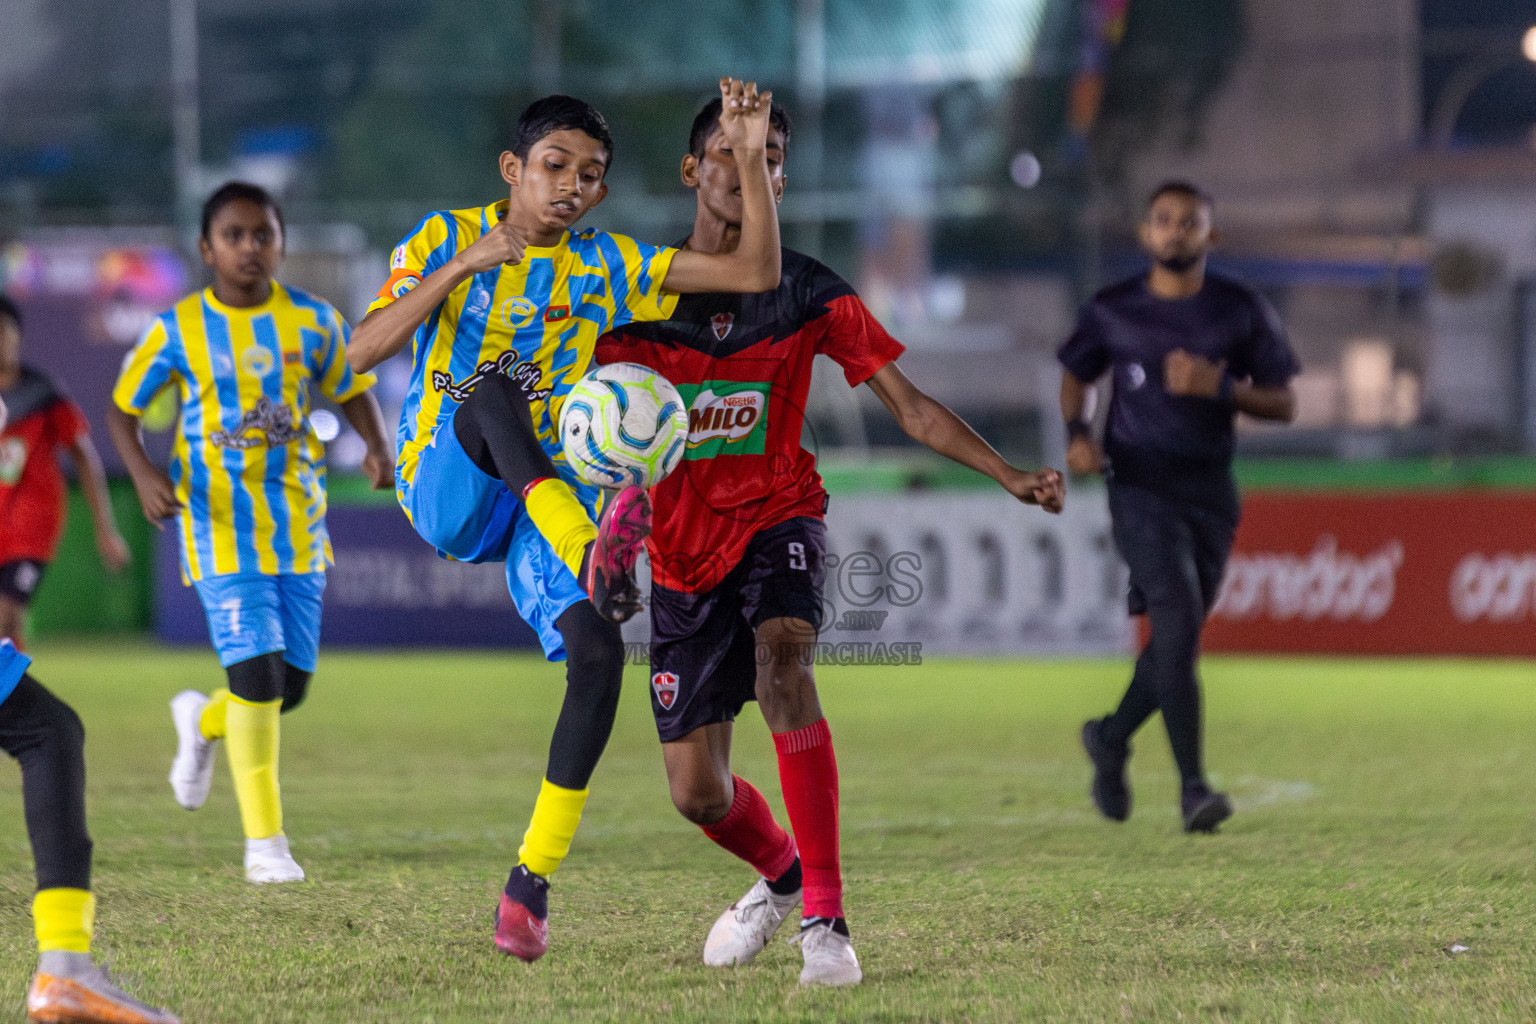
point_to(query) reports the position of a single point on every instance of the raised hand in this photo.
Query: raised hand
(744, 114)
(503, 243)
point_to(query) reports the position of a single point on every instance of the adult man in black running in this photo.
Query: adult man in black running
(1187, 351)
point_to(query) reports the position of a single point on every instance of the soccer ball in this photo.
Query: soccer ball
(623, 424)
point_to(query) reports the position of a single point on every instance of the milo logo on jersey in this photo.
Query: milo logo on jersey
(725, 417)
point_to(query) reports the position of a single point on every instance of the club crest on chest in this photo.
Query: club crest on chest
(722, 323)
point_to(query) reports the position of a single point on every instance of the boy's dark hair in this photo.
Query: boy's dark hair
(233, 192)
(8, 308)
(1181, 187)
(560, 113)
(708, 122)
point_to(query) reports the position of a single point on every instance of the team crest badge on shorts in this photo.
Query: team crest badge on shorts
(665, 685)
(722, 323)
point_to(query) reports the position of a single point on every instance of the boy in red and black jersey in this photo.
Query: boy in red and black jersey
(32, 489)
(737, 555)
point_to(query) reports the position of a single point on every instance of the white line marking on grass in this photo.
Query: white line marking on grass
(1252, 792)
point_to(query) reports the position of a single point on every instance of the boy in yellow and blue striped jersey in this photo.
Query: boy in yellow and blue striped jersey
(247, 488)
(503, 305)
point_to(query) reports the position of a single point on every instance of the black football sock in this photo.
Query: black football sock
(530, 890)
(839, 925)
(788, 882)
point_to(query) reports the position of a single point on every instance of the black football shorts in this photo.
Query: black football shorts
(19, 579)
(704, 647)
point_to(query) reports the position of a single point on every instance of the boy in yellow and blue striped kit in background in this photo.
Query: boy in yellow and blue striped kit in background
(247, 488)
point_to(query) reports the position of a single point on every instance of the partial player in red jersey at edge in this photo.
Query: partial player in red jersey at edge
(737, 556)
(33, 493)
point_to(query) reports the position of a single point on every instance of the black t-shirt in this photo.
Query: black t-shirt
(1181, 447)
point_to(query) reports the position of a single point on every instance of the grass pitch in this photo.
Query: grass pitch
(1380, 866)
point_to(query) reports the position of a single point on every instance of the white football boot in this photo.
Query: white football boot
(268, 860)
(829, 957)
(192, 770)
(741, 932)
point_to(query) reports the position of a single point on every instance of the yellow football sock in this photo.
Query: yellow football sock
(562, 519)
(64, 920)
(555, 817)
(253, 741)
(211, 725)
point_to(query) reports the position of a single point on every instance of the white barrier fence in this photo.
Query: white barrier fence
(966, 573)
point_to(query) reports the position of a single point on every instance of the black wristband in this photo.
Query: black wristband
(1077, 429)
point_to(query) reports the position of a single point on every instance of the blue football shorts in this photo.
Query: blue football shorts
(13, 665)
(470, 516)
(250, 614)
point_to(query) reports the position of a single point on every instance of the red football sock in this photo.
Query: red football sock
(808, 776)
(750, 832)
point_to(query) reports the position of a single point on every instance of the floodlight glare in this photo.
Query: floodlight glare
(326, 425)
(1528, 44)
(1025, 170)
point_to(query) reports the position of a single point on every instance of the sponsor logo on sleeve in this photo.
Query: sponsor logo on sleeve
(665, 684)
(397, 258)
(726, 418)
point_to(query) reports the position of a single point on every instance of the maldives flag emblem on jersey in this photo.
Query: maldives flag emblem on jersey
(665, 685)
(722, 323)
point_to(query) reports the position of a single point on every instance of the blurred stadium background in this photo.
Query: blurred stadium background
(975, 167)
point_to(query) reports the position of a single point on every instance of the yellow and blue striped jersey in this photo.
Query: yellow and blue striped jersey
(537, 321)
(248, 468)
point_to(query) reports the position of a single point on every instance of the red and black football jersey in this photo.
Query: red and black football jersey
(32, 489)
(743, 366)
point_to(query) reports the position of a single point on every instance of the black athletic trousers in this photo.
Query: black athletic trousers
(45, 735)
(1176, 552)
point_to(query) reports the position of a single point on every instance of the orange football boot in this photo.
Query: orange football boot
(53, 1000)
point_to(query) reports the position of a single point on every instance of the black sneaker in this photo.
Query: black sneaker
(1204, 810)
(1111, 795)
